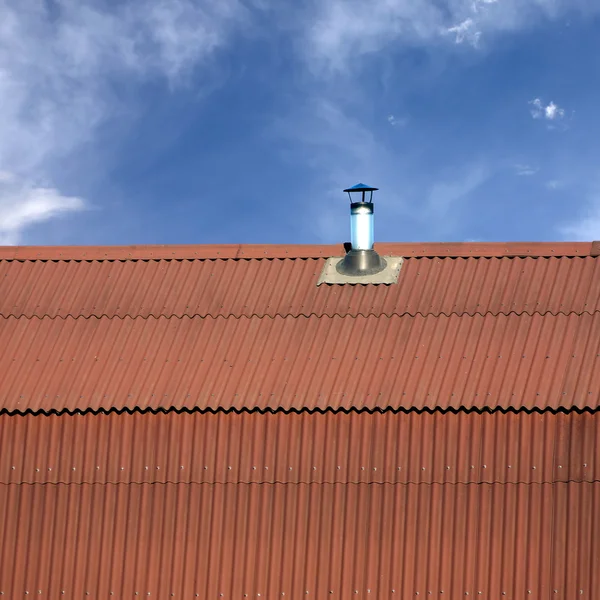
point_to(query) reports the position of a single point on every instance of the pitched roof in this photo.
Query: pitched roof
(310, 501)
(245, 327)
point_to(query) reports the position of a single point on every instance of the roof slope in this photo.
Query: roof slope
(286, 287)
(514, 361)
(476, 326)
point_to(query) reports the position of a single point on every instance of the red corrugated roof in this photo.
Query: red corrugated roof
(323, 541)
(212, 499)
(494, 330)
(491, 361)
(199, 505)
(287, 287)
(301, 448)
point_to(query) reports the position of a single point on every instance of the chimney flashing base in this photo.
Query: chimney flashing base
(361, 262)
(388, 276)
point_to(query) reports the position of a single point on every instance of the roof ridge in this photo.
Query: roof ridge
(240, 251)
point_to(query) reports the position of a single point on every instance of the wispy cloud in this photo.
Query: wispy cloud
(465, 32)
(479, 3)
(23, 204)
(395, 121)
(342, 30)
(66, 65)
(444, 195)
(328, 133)
(525, 170)
(325, 133)
(57, 61)
(549, 112)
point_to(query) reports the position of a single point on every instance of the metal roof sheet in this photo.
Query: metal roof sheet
(270, 287)
(237, 541)
(318, 363)
(217, 504)
(81, 531)
(300, 448)
(506, 329)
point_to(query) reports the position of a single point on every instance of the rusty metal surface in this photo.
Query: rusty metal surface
(502, 361)
(271, 287)
(241, 541)
(305, 448)
(149, 252)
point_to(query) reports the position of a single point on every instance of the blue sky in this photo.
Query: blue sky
(240, 121)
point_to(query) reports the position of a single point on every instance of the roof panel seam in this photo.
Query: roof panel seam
(310, 315)
(298, 483)
(307, 410)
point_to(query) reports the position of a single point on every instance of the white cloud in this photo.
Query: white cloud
(397, 121)
(550, 111)
(342, 30)
(465, 31)
(525, 170)
(553, 111)
(23, 204)
(57, 63)
(478, 3)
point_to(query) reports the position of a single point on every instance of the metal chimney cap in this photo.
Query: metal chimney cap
(361, 187)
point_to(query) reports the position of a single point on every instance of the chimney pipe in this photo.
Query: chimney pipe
(362, 258)
(362, 232)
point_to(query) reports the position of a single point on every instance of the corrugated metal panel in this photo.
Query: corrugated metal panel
(271, 287)
(293, 251)
(303, 363)
(318, 541)
(302, 448)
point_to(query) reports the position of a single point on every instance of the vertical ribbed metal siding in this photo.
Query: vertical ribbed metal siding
(85, 510)
(294, 448)
(245, 540)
